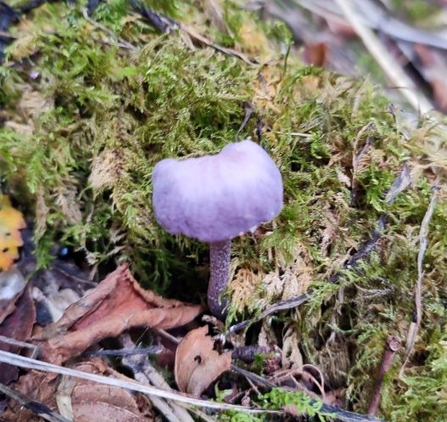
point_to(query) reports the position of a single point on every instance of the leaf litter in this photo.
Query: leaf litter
(197, 364)
(18, 325)
(318, 330)
(117, 304)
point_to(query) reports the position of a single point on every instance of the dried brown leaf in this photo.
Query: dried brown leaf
(76, 399)
(91, 402)
(36, 386)
(117, 304)
(18, 326)
(197, 365)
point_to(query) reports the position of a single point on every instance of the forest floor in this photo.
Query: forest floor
(337, 309)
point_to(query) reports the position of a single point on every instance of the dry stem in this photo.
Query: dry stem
(392, 346)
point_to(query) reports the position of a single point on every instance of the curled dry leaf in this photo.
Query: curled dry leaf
(117, 304)
(86, 401)
(197, 365)
(39, 388)
(18, 326)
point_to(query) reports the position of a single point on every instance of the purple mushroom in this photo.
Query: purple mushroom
(215, 198)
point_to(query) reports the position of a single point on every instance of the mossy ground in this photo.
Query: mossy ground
(89, 106)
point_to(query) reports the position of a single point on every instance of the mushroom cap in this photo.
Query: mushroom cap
(217, 197)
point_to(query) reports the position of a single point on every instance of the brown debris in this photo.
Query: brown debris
(197, 365)
(391, 348)
(117, 304)
(69, 399)
(91, 402)
(18, 325)
(34, 387)
(144, 372)
(433, 68)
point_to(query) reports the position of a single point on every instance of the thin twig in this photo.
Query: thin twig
(385, 60)
(392, 346)
(6, 35)
(24, 362)
(121, 43)
(152, 350)
(248, 107)
(18, 343)
(399, 185)
(145, 373)
(340, 414)
(374, 17)
(36, 407)
(167, 336)
(168, 25)
(423, 243)
(350, 264)
(319, 384)
(276, 307)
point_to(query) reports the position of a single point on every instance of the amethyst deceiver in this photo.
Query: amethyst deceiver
(215, 198)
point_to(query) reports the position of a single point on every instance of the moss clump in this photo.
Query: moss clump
(89, 107)
(131, 107)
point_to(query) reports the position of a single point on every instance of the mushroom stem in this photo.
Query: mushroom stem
(220, 254)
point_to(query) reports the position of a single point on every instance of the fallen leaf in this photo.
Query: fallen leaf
(17, 326)
(11, 221)
(38, 387)
(117, 304)
(197, 365)
(90, 402)
(76, 399)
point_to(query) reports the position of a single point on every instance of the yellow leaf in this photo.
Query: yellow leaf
(11, 221)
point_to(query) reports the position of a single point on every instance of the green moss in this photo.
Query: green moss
(79, 143)
(424, 391)
(420, 13)
(131, 108)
